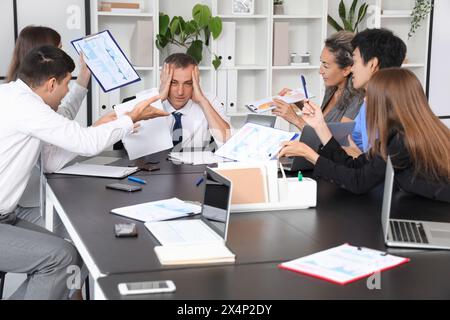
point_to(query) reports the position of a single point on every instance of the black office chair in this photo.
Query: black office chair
(2, 283)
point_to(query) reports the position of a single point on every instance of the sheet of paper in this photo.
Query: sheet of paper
(344, 264)
(109, 65)
(197, 157)
(153, 136)
(159, 210)
(266, 104)
(94, 170)
(254, 143)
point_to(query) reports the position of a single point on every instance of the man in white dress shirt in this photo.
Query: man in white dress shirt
(29, 128)
(196, 117)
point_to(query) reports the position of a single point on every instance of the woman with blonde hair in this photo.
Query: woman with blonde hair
(400, 124)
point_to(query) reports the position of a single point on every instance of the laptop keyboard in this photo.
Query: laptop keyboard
(405, 231)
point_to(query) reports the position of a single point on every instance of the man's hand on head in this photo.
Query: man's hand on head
(197, 94)
(166, 80)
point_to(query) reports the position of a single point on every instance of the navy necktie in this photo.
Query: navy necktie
(177, 129)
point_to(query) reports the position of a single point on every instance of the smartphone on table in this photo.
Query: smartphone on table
(146, 287)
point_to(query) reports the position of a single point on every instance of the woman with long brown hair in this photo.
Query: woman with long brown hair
(401, 125)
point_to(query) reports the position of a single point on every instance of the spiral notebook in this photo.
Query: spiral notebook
(344, 264)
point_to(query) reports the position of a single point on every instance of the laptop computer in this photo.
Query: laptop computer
(212, 227)
(411, 233)
(261, 119)
(340, 131)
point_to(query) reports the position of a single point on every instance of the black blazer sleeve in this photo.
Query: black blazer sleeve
(355, 175)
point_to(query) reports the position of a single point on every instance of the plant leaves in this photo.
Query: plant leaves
(164, 22)
(182, 23)
(175, 26)
(347, 25)
(216, 62)
(202, 15)
(161, 42)
(334, 24)
(216, 27)
(195, 50)
(351, 16)
(207, 36)
(361, 15)
(342, 10)
(190, 28)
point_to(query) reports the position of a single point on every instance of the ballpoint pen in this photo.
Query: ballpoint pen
(137, 180)
(304, 86)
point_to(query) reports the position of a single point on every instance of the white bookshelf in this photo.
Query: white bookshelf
(418, 44)
(257, 78)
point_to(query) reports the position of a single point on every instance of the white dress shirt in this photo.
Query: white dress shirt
(28, 125)
(69, 108)
(196, 131)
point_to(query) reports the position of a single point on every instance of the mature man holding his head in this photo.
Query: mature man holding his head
(196, 117)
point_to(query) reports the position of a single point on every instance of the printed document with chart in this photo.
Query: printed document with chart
(109, 65)
(255, 143)
(344, 264)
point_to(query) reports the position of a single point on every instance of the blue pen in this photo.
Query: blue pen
(137, 180)
(292, 139)
(199, 182)
(304, 86)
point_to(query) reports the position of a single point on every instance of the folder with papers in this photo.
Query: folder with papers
(344, 264)
(94, 170)
(250, 184)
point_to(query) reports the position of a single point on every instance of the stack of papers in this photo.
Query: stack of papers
(159, 210)
(194, 254)
(196, 158)
(95, 170)
(344, 264)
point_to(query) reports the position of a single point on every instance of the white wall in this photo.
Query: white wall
(6, 35)
(65, 16)
(440, 64)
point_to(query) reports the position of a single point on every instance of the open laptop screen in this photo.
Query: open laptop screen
(216, 202)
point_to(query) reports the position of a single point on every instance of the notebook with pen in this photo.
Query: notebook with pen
(344, 264)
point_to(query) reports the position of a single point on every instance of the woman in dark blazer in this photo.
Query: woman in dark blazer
(401, 125)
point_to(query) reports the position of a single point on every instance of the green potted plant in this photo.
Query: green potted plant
(278, 7)
(350, 20)
(422, 9)
(192, 35)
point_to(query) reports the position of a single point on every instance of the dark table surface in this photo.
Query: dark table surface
(260, 241)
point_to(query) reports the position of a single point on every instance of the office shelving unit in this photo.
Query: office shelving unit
(417, 55)
(256, 76)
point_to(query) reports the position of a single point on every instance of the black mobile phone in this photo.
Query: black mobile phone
(123, 187)
(125, 230)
